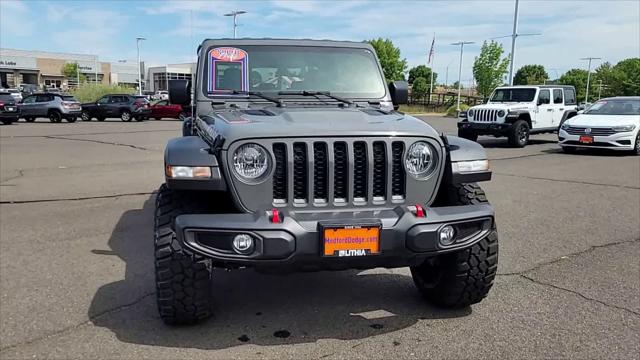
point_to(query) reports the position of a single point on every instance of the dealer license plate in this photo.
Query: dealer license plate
(351, 240)
(586, 139)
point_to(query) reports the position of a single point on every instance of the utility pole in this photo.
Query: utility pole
(514, 35)
(461, 44)
(138, 39)
(235, 13)
(586, 98)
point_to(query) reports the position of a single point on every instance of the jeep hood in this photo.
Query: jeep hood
(274, 122)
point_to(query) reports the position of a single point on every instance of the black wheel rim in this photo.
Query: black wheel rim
(523, 134)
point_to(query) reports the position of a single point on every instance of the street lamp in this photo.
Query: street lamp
(586, 98)
(138, 39)
(235, 13)
(462, 44)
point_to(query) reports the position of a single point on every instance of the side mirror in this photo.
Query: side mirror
(180, 92)
(399, 91)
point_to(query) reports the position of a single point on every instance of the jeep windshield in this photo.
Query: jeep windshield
(291, 71)
(615, 107)
(513, 95)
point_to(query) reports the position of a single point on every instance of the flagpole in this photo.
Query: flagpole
(431, 59)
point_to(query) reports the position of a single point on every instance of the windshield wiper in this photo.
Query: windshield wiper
(316, 94)
(278, 102)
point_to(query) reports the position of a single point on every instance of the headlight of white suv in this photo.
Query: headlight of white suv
(470, 113)
(420, 160)
(624, 128)
(565, 126)
(251, 163)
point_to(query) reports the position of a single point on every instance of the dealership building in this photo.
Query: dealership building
(44, 69)
(158, 76)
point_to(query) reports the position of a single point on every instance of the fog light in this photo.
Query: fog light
(243, 243)
(447, 235)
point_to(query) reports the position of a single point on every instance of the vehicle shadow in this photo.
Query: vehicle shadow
(503, 143)
(254, 308)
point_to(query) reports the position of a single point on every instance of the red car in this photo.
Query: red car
(162, 109)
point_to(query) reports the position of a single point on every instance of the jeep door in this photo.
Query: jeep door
(545, 110)
(558, 106)
(27, 105)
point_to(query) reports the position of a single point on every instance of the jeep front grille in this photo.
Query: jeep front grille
(338, 172)
(485, 115)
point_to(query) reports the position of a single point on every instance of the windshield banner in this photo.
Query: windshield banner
(228, 70)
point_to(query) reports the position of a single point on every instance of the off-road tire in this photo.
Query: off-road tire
(468, 134)
(568, 149)
(464, 277)
(519, 134)
(85, 116)
(29, 119)
(72, 119)
(183, 279)
(55, 116)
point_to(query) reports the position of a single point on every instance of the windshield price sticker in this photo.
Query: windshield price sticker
(228, 70)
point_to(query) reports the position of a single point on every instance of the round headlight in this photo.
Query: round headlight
(251, 162)
(470, 112)
(501, 113)
(420, 160)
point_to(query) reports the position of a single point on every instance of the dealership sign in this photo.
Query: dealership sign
(17, 62)
(87, 67)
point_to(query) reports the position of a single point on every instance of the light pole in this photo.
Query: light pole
(446, 81)
(235, 13)
(462, 44)
(586, 98)
(138, 39)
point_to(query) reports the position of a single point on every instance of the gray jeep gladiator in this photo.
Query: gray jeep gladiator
(296, 159)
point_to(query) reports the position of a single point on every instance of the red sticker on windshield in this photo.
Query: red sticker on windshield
(228, 70)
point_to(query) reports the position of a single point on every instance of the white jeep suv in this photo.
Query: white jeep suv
(518, 111)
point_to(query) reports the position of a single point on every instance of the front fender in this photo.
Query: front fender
(463, 150)
(193, 151)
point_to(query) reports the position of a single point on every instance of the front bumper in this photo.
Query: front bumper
(617, 141)
(491, 128)
(296, 243)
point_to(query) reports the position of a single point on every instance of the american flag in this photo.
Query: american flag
(433, 42)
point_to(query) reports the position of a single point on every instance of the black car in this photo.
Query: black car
(9, 111)
(123, 106)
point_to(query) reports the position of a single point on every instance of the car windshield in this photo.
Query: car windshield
(615, 107)
(513, 95)
(345, 72)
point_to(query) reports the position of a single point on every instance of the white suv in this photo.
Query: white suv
(518, 111)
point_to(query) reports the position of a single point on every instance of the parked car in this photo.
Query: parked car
(28, 89)
(9, 111)
(163, 109)
(519, 111)
(325, 175)
(123, 106)
(611, 123)
(162, 95)
(53, 106)
(17, 95)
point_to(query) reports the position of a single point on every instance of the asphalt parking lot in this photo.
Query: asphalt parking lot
(76, 268)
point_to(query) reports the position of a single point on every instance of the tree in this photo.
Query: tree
(420, 88)
(423, 72)
(578, 78)
(455, 85)
(626, 76)
(530, 75)
(389, 55)
(70, 71)
(605, 76)
(489, 69)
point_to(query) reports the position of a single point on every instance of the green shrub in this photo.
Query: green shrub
(92, 92)
(452, 110)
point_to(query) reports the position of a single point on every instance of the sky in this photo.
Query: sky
(569, 30)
